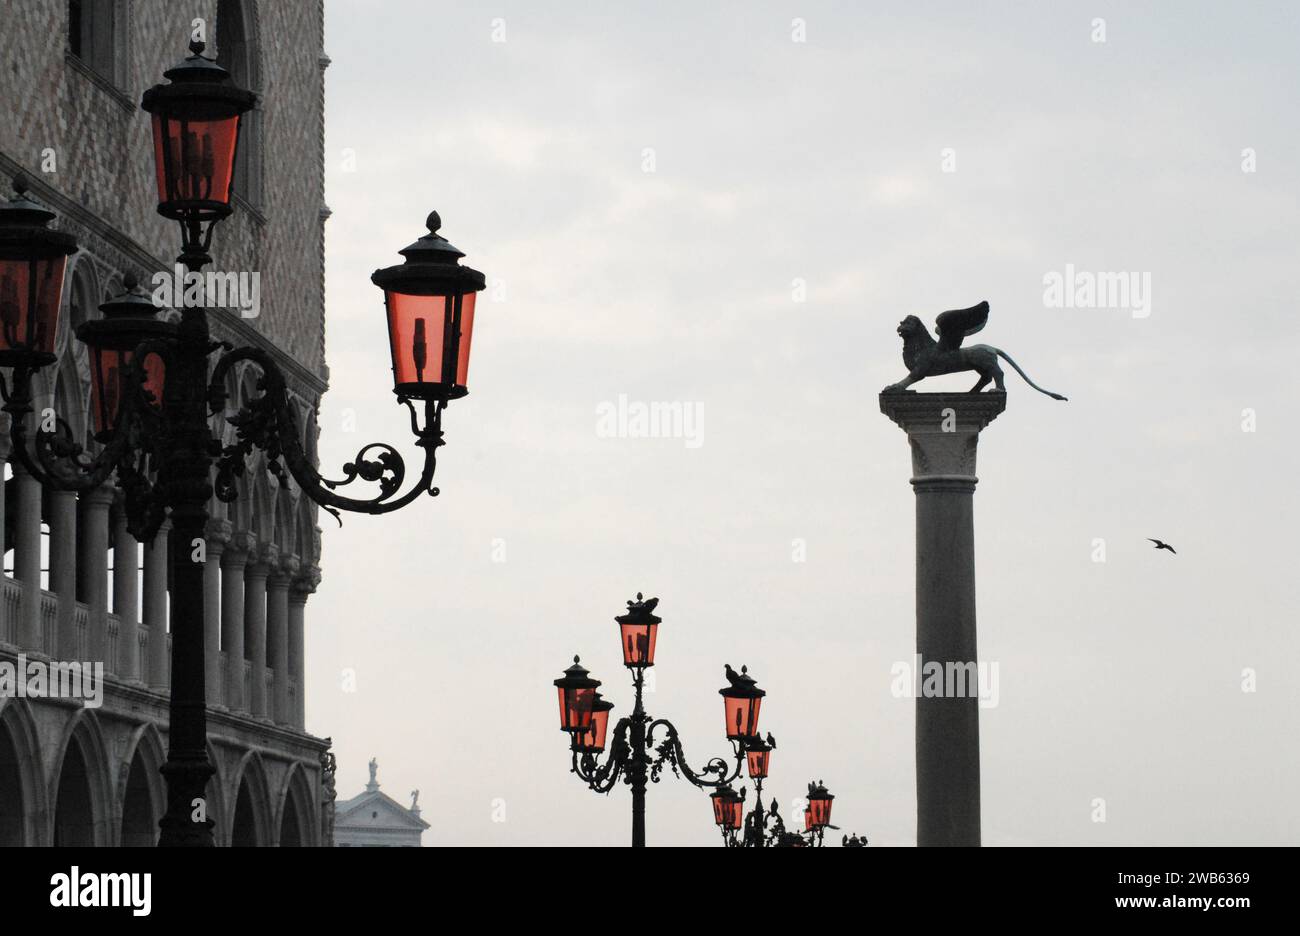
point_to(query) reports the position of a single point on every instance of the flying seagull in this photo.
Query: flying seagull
(1160, 545)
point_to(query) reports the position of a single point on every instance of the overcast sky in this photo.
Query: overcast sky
(823, 163)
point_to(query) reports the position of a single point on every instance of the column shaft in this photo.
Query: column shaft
(212, 621)
(63, 571)
(155, 607)
(126, 600)
(27, 560)
(277, 642)
(233, 562)
(255, 633)
(297, 615)
(92, 572)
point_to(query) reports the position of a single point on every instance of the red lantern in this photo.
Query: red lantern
(742, 699)
(592, 739)
(758, 756)
(818, 814)
(638, 631)
(33, 260)
(728, 808)
(128, 320)
(195, 133)
(430, 302)
(577, 693)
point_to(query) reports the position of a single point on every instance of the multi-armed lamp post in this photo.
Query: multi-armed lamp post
(635, 758)
(155, 385)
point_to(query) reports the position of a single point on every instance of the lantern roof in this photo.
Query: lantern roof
(818, 791)
(640, 612)
(431, 268)
(25, 233)
(200, 89)
(742, 685)
(576, 676)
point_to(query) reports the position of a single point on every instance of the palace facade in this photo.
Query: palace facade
(76, 585)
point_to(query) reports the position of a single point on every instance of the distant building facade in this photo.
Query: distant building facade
(374, 819)
(74, 72)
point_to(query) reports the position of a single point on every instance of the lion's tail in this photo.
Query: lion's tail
(1006, 357)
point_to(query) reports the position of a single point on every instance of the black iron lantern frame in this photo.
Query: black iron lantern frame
(162, 453)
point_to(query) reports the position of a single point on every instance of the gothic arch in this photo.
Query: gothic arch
(143, 799)
(295, 818)
(80, 787)
(24, 822)
(250, 799)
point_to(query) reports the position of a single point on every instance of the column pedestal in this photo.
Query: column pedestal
(943, 431)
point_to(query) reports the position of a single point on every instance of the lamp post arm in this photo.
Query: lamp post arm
(669, 753)
(604, 777)
(267, 423)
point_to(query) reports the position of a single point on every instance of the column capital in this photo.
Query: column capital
(943, 430)
(282, 574)
(102, 496)
(218, 534)
(263, 558)
(304, 583)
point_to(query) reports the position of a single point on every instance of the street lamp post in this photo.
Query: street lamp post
(154, 387)
(634, 756)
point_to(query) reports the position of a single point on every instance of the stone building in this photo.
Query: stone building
(76, 585)
(373, 819)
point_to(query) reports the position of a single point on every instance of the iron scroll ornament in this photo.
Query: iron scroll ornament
(267, 422)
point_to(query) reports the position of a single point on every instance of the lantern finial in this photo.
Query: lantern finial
(197, 46)
(20, 183)
(433, 222)
(129, 281)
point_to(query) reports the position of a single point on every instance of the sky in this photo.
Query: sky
(728, 207)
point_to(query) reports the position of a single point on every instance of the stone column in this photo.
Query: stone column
(155, 606)
(217, 536)
(5, 446)
(255, 574)
(126, 599)
(27, 560)
(277, 635)
(303, 585)
(92, 571)
(233, 562)
(63, 571)
(943, 430)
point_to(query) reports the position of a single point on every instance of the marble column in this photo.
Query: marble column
(8, 627)
(255, 575)
(92, 572)
(155, 606)
(303, 585)
(126, 600)
(216, 536)
(277, 635)
(943, 431)
(27, 560)
(233, 563)
(63, 571)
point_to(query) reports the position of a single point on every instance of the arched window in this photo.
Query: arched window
(237, 53)
(92, 36)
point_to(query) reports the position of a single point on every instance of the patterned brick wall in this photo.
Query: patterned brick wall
(104, 185)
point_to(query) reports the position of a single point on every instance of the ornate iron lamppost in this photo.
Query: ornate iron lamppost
(154, 386)
(634, 756)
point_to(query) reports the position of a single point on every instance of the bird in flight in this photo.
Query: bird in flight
(1160, 545)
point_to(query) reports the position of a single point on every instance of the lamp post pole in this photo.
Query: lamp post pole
(640, 765)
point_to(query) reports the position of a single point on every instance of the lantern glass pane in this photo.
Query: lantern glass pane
(758, 764)
(575, 708)
(24, 326)
(742, 716)
(638, 643)
(194, 159)
(592, 740)
(466, 335)
(107, 385)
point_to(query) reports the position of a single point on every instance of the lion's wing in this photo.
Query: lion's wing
(956, 324)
